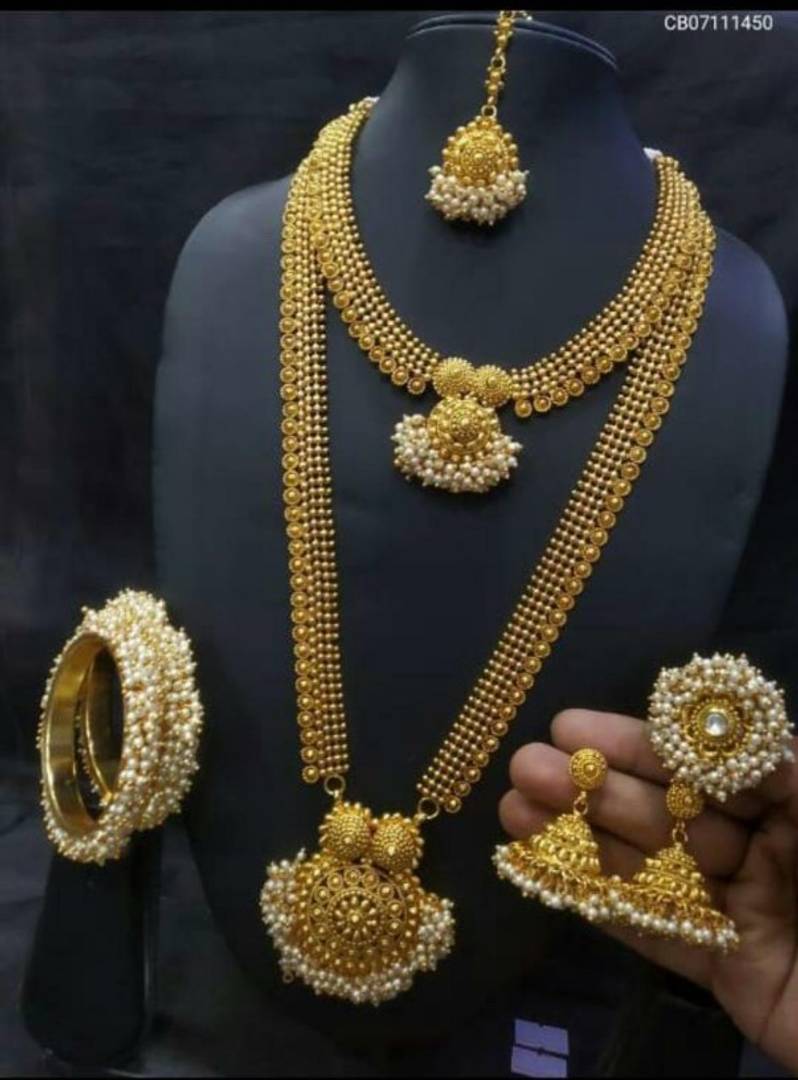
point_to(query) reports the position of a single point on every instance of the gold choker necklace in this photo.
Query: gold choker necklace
(352, 920)
(460, 446)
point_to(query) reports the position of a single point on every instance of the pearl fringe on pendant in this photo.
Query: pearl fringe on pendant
(352, 921)
(484, 205)
(417, 459)
(287, 886)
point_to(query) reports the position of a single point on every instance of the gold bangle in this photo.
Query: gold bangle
(138, 776)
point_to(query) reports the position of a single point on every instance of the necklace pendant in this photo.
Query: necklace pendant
(352, 920)
(460, 446)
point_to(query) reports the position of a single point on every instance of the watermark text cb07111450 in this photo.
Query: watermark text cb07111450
(697, 21)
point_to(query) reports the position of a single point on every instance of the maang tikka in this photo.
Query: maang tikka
(480, 179)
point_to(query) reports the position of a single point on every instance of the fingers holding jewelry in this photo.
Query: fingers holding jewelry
(720, 728)
(624, 742)
(631, 809)
(620, 738)
(676, 956)
(781, 787)
(619, 860)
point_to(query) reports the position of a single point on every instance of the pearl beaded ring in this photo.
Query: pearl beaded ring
(719, 724)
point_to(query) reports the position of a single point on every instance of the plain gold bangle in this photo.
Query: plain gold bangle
(100, 785)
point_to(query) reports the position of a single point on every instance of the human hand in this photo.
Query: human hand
(747, 848)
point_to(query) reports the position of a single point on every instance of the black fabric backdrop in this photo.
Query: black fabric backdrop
(119, 130)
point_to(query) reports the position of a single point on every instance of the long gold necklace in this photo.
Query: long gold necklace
(352, 920)
(460, 446)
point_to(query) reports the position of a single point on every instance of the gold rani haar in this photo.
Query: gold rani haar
(352, 919)
(460, 446)
(480, 180)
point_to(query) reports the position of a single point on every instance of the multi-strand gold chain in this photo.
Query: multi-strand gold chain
(607, 340)
(310, 253)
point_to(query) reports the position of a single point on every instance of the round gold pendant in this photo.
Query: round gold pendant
(479, 180)
(460, 446)
(352, 920)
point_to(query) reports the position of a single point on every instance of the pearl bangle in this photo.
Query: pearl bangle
(99, 787)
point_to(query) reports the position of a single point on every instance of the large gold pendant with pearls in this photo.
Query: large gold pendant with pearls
(352, 920)
(460, 446)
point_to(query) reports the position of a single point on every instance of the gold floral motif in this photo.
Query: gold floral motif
(588, 769)
(461, 427)
(683, 802)
(480, 151)
(718, 723)
(454, 377)
(493, 386)
(357, 927)
(397, 843)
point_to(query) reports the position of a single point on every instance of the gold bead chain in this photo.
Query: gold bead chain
(494, 79)
(607, 340)
(679, 263)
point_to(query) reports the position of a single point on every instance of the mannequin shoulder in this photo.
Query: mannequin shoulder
(228, 267)
(745, 301)
(240, 228)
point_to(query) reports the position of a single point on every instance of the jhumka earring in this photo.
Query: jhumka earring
(560, 865)
(479, 179)
(721, 727)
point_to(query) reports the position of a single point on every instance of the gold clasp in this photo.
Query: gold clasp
(580, 803)
(427, 809)
(335, 785)
(679, 833)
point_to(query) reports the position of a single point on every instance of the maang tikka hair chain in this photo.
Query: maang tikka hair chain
(480, 179)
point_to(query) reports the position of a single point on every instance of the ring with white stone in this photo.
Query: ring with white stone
(719, 724)
(721, 727)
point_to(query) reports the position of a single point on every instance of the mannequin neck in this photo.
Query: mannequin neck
(561, 100)
(574, 238)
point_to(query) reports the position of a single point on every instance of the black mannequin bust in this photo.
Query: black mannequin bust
(428, 578)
